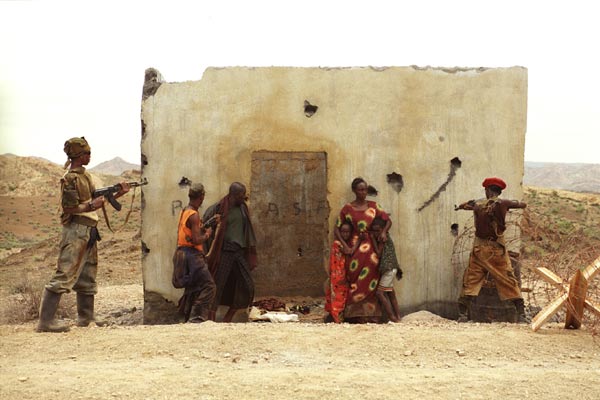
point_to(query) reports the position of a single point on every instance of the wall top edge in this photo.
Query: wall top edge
(448, 70)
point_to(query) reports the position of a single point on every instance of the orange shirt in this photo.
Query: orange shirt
(184, 234)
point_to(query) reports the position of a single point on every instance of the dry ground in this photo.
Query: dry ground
(424, 356)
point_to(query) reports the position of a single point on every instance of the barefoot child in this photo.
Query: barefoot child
(388, 268)
(336, 288)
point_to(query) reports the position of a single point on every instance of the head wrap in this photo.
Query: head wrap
(76, 147)
(196, 190)
(493, 181)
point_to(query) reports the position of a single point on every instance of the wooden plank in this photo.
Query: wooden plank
(550, 277)
(548, 311)
(575, 296)
(575, 303)
(591, 270)
(592, 307)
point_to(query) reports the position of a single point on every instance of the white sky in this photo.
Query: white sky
(76, 68)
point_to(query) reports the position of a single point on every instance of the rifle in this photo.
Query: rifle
(109, 191)
(210, 222)
(205, 225)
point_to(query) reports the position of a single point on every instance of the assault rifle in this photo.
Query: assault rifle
(108, 192)
(210, 222)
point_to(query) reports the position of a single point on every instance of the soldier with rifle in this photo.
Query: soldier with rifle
(78, 258)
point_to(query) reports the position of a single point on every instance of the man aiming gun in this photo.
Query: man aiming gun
(78, 258)
(489, 254)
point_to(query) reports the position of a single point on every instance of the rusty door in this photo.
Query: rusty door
(288, 200)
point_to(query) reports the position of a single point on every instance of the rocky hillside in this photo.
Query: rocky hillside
(573, 177)
(116, 166)
(28, 176)
(34, 177)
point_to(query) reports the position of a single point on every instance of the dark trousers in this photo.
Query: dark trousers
(200, 290)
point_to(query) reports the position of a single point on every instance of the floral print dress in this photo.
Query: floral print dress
(363, 270)
(336, 289)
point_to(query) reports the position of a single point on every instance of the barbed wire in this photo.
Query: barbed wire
(534, 240)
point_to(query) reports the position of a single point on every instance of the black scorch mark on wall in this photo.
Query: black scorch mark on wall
(455, 164)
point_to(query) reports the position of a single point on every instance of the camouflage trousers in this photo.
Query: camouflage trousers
(77, 264)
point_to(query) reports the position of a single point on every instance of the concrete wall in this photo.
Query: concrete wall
(442, 130)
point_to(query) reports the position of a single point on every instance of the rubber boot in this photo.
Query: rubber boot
(522, 318)
(85, 311)
(464, 305)
(48, 309)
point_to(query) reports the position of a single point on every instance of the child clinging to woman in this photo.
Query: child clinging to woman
(388, 268)
(336, 288)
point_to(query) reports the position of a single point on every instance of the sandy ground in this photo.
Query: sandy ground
(423, 356)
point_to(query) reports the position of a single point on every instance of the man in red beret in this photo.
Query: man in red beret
(489, 254)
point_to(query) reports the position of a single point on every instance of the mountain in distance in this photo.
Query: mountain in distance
(572, 177)
(36, 176)
(116, 166)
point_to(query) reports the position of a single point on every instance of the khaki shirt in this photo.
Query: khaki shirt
(77, 188)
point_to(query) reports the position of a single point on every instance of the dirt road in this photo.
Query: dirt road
(425, 356)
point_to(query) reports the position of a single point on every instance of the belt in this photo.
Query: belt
(78, 219)
(494, 242)
(191, 248)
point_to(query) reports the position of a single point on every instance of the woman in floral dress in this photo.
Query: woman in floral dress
(363, 273)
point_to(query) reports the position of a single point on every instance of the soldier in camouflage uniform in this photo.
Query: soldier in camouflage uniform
(78, 259)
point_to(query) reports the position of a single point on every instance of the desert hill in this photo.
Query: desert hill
(29, 200)
(28, 176)
(573, 177)
(34, 176)
(116, 166)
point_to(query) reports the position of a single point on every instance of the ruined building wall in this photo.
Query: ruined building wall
(441, 130)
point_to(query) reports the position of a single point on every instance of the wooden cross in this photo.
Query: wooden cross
(573, 294)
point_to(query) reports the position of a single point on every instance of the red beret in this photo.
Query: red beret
(487, 182)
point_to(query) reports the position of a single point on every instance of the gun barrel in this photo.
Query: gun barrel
(140, 183)
(209, 221)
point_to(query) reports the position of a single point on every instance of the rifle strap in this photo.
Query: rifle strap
(126, 217)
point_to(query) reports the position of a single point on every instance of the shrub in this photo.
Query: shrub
(23, 303)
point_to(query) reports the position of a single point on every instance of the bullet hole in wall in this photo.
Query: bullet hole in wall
(309, 109)
(184, 182)
(395, 181)
(145, 249)
(299, 251)
(454, 229)
(455, 162)
(144, 159)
